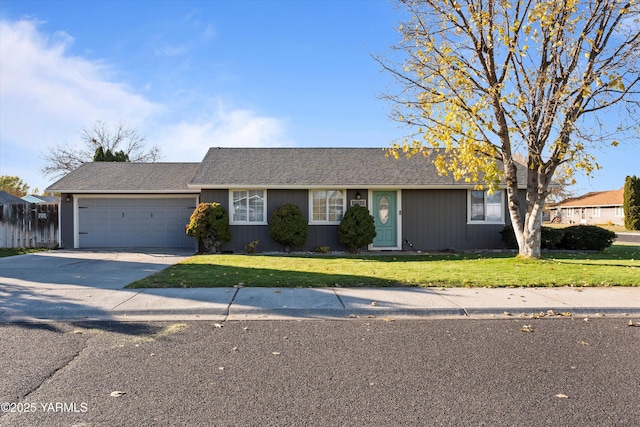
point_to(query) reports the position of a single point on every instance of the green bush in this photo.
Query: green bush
(357, 228)
(587, 238)
(209, 223)
(631, 203)
(550, 238)
(288, 226)
(322, 249)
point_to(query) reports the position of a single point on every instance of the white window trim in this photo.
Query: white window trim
(619, 211)
(264, 211)
(479, 222)
(326, 222)
(596, 212)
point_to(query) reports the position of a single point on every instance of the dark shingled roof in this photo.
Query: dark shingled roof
(264, 168)
(9, 199)
(120, 177)
(313, 167)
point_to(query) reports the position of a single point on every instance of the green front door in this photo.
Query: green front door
(384, 211)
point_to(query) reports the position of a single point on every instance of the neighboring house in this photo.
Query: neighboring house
(33, 198)
(600, 207)
(149, 204)
(9, 199)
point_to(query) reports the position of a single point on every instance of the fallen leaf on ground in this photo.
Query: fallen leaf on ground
(218, 325)
(117, 393)
(583, 343)
(275, 353)
(562, 396)
(632, 323)
(527, 328)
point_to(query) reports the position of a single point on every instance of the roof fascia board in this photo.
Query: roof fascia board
(368, 186)
(131, 192)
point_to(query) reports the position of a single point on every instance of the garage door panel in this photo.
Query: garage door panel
(131, 222)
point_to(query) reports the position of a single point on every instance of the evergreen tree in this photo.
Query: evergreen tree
(631, 203)
(107, 156)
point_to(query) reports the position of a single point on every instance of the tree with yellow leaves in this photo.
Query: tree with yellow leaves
(484, 80)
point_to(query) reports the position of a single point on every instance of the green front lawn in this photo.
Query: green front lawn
(619, 265)
(20, 251)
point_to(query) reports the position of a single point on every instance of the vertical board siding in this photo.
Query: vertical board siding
(29, 225)
(242, 235)
(67, 221)
(437, 220)
(431, 220)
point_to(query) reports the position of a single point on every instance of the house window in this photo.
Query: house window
(327, 206)
(248, 206)
(595, 212)
(485, 207)
(619, 211)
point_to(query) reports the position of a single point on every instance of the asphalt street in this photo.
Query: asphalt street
(360, 372)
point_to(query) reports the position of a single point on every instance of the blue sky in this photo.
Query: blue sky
(195, 74)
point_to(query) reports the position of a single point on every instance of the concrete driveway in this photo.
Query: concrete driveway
(66, 284)
(102, 269)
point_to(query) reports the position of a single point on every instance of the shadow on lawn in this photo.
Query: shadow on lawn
(215, 275)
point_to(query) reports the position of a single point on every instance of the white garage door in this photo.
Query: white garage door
(135, 222)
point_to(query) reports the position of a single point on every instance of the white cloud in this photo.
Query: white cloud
(189, 140)
(42, 86)
(47, 95)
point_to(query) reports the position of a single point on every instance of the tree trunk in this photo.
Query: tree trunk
(528, 229)
(532, 236)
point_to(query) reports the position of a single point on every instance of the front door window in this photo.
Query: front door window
(383, 210)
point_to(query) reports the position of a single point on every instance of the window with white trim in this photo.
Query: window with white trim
(485, 207)
(326, 206)
(619, 211)
(595, 212)
(248, 206)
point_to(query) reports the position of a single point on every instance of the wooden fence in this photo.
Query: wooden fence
(29, 225)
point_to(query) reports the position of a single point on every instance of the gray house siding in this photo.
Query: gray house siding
(437, 220)
(66, 221)
(241, 235)
(431, 220)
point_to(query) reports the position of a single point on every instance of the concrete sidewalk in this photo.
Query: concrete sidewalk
(89, 285)
(19, 302)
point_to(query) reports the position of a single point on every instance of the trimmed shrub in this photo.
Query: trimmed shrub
(631, 203)
(209, 223)
(357, 228)
(288, 226)
(550, 238)
(587, 238)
